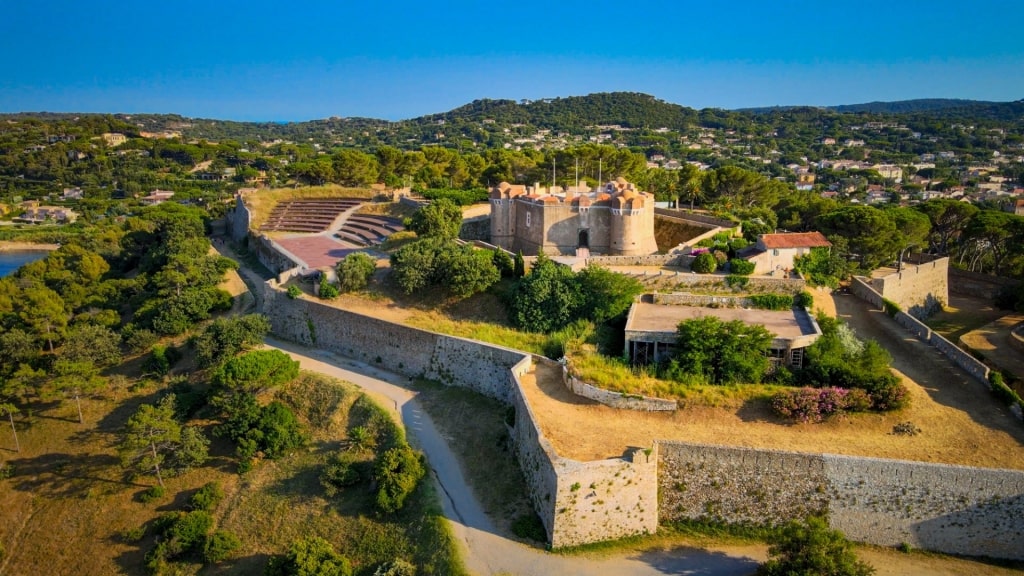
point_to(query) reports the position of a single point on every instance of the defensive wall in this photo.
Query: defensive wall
(477, 228)
(976, 284)
(952, 509)
(936, 507)
(860, 287)
(693, 282)
(921, 289)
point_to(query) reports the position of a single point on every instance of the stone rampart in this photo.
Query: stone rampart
(694, 217)
(920, 289)
(478, 228)
(701, 300)
(693, 282)
(969, 363)
(976, 284)
(642, 260)
(273, 255)
(914, 325)
(952, 509)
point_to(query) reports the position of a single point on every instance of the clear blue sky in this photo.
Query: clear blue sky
(299, 60)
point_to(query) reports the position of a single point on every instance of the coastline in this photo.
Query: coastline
(15, 246)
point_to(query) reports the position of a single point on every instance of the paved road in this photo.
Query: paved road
(485, 551)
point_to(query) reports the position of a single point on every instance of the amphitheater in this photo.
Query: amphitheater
(598, 493)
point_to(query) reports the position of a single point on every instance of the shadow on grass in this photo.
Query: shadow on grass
(695, 562)
(58, 475)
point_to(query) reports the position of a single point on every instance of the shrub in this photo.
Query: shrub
(771, 301)
(137, 339)
(220, 546)
(188, 533)
(906, 429)
(857, 400)
(741, 266)
(891, 397)
(397, 567)
(720, 258)
(341, 471)
(398, 471)
(294, 292)
(158, 362)
(256, 370)
(704, 263)
(355, 271)
(327, 291)
(891, 308)
(226, 337)
(132, 535)
(735, 281)
(504, 263)
(311, 556)
(810, 547)
(804, 300)
(809, 404)
(207, 497)
(152, 493)
(1001, 391)
(529, 526)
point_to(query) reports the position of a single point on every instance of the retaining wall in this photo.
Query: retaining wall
(693, 217)
(478, 228)
(273, 255)
(644, 260)
(952, 509)
(914, 325)
(701, 300)
(690, 282)
(969, 363)
(920, 289)
(609, 398)
(238, 220)
(976, 284)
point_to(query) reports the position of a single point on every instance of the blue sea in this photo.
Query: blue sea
(11, 261)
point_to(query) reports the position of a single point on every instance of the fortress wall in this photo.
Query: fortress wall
(694, 217)
(607, 397)
(952, 509)
(606, 499)
(642, 260)
(976, 284)
(689, 281)
(920, 289)
(271, 254)
(238, 220)
(478, 228)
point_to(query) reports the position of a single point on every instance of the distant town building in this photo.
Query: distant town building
(114, 138)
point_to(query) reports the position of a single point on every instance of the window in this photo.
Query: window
(528, 219)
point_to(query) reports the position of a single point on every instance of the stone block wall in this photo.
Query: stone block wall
(704, 301)
(688, 281)
(273, 255)
(915, 326)
(977, 284)
(606, 499)
(478, 228)
(703, 219)
(952, 509)
(920, 289)
(641, 260)
(969, 363)
(860, 288)
(238, 220)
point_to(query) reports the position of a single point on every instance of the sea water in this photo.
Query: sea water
(11, 261)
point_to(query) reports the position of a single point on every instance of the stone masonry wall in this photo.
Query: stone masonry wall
(919, 289)
(238, 219)
(952, 509)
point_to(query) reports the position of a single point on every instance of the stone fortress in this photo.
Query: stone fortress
(614, 219)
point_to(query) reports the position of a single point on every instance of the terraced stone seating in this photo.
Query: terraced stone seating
(368, 230)
(307, 215)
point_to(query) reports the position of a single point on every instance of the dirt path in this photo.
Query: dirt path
(993, 342)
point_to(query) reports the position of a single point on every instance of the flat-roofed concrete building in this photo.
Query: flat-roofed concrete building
(651, 329)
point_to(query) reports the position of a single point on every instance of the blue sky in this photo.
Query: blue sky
(300, 60)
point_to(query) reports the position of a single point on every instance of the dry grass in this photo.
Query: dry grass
(392, 209)
(262, 202)
(69, 500)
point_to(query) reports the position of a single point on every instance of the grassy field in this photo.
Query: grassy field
(68, 504)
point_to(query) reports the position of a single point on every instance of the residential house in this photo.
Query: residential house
(75, 193)
(114, 138)
(36, 214)
(774, 253)
(156, 197)
(889, 171)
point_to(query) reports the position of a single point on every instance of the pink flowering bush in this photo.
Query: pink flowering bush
(810, 404)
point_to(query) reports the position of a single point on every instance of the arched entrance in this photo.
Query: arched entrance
(584, 239)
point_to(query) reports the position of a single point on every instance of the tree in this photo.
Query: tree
(226, 337)
(811, 548)
(948, 218)
(43, 311)
(870, 234)
(312, 556)
(255, 371)
(398, 471)
(722, 352)
(441, 219)
(152, 437)
(519, 265)
(464, 270)
(91, 343)
(545, 300)
(606, 294)
(355, 271)
(11, 410)
(75, 379)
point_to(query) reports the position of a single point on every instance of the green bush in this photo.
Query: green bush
(152, 493)
(188, 533)
(220, 546)
(341, 471)
(734, 281)
(294, 292)
(327, 291)
(158, 362)
(771, 301)
(396, 567)
(208, 497)
(1002, 391)
(398, 471)
(741, 266)
(460, 197)
(311, 556)
(255, 371)
(811, 548)
(355, 271)
(704, 263)
(804, 300)
(891, 308)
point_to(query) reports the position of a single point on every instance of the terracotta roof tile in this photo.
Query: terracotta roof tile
(794, 240)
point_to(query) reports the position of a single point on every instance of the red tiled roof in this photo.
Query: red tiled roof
(794, 240)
